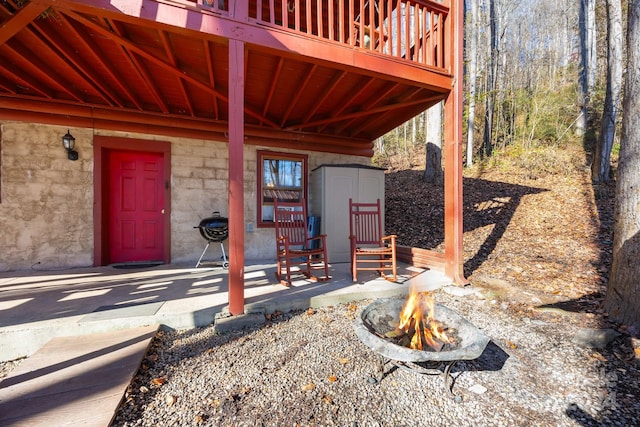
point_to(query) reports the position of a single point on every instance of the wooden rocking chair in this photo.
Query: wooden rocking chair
(294, 247)
(370, 250)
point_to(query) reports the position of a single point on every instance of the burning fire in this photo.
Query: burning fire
(418, 322)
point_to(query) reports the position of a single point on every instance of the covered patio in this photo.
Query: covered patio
(178, 78)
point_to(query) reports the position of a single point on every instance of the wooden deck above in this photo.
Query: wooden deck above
(319, 75)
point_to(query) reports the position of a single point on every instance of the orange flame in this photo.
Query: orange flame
(417, 321)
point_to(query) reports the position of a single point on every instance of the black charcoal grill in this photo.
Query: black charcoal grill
(214, 229)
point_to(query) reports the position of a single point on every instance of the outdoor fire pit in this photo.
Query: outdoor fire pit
(379, 320)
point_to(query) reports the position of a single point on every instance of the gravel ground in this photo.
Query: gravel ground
(309, 368)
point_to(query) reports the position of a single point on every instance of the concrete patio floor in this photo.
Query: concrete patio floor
(36, 306)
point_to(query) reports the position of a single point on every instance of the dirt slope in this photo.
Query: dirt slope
(533, 226)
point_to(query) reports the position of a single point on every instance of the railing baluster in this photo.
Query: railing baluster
(371, 26)
(308, 11)
(411, 30)
(352, 28)
(358, 7)
(417, 40)
(407, 31)
(432, 39)
(284, 4)
(381, 28)
(341, 21)
(272, 12)
(441, 30)
(425, 32)
(389, 44)
(398, 51)
(320, 18)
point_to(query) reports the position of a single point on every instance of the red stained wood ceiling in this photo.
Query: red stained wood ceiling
(83, 63)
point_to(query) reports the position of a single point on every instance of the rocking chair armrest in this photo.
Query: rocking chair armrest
(391, 238)
(282, 240)
(319, 236)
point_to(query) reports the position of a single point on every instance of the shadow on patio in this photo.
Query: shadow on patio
(36, 306)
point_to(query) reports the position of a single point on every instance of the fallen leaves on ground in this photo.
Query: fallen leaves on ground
(548, 235)
(158, 381)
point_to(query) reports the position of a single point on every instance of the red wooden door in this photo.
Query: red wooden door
(136, 206)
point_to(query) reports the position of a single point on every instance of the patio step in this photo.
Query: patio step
(74, 381)
(25, 339)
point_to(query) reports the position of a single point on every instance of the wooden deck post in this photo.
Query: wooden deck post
(236, 177)
(453, 202)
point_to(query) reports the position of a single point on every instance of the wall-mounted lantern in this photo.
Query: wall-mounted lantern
(68, 142)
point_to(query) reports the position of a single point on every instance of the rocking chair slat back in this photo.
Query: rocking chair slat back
(366, 223)
(370, 248)
(291, 223)
(294, 247)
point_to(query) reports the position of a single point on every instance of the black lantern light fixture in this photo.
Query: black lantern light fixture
(68, 142)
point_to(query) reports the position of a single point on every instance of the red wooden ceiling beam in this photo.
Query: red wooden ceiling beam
(328, 91)
(117, 115)
(91, 47)
(132, 47)
(37, 66)
(274, 79)
(19, 75)
(401, 101)
(378, 98)
(172, 60)
(365, 113)
(186, 18)
(301, 89)
(212, 80)
(73, 62)
(140, 68)
(21, 19)
(363, 88)
(5, 85)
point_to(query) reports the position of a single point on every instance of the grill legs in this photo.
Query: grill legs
(225, 263)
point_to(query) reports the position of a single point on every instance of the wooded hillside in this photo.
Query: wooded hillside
(543, 136)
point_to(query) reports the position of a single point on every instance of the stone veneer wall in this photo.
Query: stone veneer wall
(46, 200)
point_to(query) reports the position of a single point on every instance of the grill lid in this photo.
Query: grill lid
(215, 228)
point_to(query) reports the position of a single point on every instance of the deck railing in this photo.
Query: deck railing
(410, 30)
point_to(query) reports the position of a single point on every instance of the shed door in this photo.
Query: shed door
(136, 206)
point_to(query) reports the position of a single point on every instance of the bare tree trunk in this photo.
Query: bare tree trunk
(414, 130)
(404, 139)
(433, 136)
(472, 63)
(622, 301)
(588, 60)
(491, 78)
(601, 166)
(380, 145)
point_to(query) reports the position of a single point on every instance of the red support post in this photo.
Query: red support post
(236, 176)
(453, 202)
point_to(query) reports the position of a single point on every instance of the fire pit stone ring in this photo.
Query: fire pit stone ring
(377, 318)
(382, 315)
